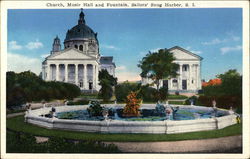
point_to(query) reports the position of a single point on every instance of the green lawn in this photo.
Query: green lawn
(176, 102)
(17, 124)
(173, 96)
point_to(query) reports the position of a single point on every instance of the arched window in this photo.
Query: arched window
(76, 46)
(81, 48)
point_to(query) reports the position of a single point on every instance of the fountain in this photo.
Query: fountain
(140, 118)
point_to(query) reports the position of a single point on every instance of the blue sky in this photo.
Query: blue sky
(128, 34)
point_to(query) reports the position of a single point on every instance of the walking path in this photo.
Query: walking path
(204, 145)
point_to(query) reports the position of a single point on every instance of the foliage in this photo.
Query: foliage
(95, 108)
(18, 124)
(132, 105)
(158, 65)
(231, 83)
(163, 94)
(191, 99)
(212, 82)
(26, 143)
(26, 87)
(123, 89)
(227, 94)
(222, 102)
(107, 82)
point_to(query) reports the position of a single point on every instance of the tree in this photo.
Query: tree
(107, 82)
(158, 66)
(231, 83)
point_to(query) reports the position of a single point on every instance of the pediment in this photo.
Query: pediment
(70, 54)
(183, 54)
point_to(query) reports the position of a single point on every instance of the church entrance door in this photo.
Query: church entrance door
(165, 84)
(184, 84)
(90, 85)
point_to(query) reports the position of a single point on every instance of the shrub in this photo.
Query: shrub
(26, 87)
(95, 109)
(163, 94)
(193, 99)
(132, 105)
(222, 101)
(26, 143)
(123, 89)
(148, 94)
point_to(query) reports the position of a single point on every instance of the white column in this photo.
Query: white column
(96, 80)
(180, 78)
(93, 77)
(66, 72)
(190, 76)
(76, 74)
(85, 77)
(197, 78)
(48, 73)
(57, 72)
(170, 84)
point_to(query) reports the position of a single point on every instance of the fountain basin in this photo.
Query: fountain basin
(122, 126)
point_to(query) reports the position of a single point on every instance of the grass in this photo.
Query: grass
(176, 102)
(173, 96)
(18, 124)
(15, 111)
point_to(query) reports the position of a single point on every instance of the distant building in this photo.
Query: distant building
(189, 79)
(80, 61)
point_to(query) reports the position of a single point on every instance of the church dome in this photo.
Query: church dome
(80, 31)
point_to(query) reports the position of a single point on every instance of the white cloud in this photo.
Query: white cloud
(34, 45)
(235, 38)
(14, 46)
(225, 50)
(110, 47)
(219, 41)
(214, 41)
(44, 55)
(189, 48)
(120, 68)
(130, 76)
(19, 63)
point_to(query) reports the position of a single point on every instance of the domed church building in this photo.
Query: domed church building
(80, 61)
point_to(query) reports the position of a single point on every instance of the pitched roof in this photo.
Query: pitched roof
(186, 51)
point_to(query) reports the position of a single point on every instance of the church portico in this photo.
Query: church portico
(80, 74)
(79, 62)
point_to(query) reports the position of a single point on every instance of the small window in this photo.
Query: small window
(81, 48)
(184, 68)
(76, 46)
(192, 81)
(175, 81)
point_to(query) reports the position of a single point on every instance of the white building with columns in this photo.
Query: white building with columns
(189, 73)
(79, 62)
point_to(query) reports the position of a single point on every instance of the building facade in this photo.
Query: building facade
(189, 73)
(80, 61)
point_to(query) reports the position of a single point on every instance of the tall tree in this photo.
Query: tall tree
(158, 66)
(231, 83)
(107, 83)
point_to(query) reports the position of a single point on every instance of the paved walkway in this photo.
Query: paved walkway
(205, 145)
